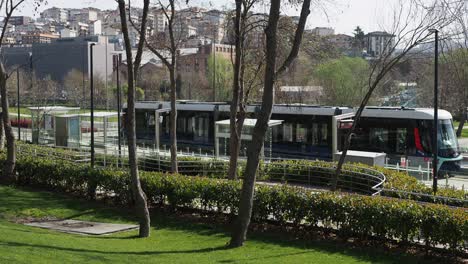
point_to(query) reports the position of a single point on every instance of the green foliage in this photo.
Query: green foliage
(349, 214)
(178, 239)
(314, 173)
(344, 80)
(223, 74)
(139, 92)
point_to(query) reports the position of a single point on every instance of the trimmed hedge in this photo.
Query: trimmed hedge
(349, 214)
(288, 171)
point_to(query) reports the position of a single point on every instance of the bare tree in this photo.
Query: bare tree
(248, 63)
(73, 85)
(132, 72)
(8, 7)
(413, 24)
(165, 47)
(241, 225)
(2, 134)
(455, 55)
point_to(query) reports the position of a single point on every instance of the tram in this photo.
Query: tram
(308, 132)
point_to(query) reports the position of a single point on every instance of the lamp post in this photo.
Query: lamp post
(117, 61)
(436, 106)
(91, 81)
(18, 103)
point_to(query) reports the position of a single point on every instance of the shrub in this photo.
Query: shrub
(315, 173)
(350, 214)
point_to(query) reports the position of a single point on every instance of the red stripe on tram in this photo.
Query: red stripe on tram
(417, 139)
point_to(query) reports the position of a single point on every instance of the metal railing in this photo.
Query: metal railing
(353, 178)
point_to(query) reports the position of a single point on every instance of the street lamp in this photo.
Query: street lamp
(18, 103)
(117, 61)
(91, 80)
(436, 106)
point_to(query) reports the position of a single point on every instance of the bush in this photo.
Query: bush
(350, 214)
(315, 173)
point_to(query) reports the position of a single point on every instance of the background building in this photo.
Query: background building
(379, 43)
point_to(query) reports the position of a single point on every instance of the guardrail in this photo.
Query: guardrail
(429, 197)
(364, 181)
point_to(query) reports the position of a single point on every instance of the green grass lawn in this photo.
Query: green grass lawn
(464, 131)
(173, 239)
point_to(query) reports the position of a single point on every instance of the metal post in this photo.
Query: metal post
(92, 103)
(435, 127)
(18, 103)
(156, 129)
(214, 69)
(119, 106)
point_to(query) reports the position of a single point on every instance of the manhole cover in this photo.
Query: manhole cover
(82, 227)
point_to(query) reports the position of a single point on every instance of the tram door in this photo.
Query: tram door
(344, 126)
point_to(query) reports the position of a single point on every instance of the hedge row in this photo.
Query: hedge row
(349, 214)
(294, 171)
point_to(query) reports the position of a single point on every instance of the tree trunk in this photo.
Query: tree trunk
(8, 176)
(235, 138)
(2, 133)
(357, 117)
(139, 196)
(173, 121)
(241, 225)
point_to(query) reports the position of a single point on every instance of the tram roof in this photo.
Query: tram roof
(405, 113)
(304, 109)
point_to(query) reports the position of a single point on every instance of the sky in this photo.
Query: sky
(342, 15)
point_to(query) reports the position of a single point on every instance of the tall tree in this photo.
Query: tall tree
(132, 72)
(455, 55)
(8, 7)
(343, 80)
(222, 72)
(247, 64)
(413, 26)
(359, 38)
(242, 222)
(166, 47)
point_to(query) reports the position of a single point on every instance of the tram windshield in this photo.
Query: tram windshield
(447, 141)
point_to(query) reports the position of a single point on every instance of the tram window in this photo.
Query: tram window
(319, 134)
(181, 125)
(287, 132)
(324, 134)
(277, 133)
(379, 139)
(301, 133)
(401, 134)
(151, 121)
(425, 131)
(315, 134)
(166, 124)
(202, 127)
(190, 125)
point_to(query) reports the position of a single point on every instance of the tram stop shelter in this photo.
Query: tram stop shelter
(105, 128)
(43, 122)
(222, 131)
(68, 130)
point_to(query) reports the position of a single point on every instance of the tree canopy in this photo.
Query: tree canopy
(344, 80)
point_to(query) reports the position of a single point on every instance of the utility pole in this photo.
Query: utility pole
(436, 106)
(18, 103)
(117, 61)
(92, 102)
(214, 65)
